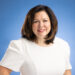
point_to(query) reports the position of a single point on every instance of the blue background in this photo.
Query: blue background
(12, 15)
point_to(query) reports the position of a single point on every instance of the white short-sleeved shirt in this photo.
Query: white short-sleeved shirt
(28, 58)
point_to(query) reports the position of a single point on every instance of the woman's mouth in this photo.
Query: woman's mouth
(41, 30)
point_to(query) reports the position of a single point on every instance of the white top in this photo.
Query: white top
(28, 58)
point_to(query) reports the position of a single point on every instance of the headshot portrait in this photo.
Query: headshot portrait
(41, 45)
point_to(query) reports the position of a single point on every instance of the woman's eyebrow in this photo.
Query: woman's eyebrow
(45, 18)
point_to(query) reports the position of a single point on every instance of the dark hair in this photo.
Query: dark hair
(27, 26)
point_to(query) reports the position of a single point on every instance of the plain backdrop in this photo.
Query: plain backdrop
(12, 15)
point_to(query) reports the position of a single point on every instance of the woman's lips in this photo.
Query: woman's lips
(41, 30)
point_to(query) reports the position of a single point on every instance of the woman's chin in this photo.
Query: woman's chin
(42, 36)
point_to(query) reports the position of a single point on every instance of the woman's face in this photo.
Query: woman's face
(41, 24)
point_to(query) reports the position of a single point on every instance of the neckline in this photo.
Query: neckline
(35, 44)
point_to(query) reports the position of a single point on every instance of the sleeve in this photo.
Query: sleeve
(68, 64)
(13, 58)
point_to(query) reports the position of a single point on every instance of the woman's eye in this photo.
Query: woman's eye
(35, 21)
(45, 20)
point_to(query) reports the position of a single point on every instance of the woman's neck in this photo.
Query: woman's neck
(41, 42)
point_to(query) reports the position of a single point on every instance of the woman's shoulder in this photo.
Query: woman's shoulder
(17, 45)
(60, 41)
(19, 41)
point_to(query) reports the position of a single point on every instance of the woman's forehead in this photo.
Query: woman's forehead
(41, 14)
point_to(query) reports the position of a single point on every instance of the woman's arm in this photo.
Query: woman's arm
(67, 72)
(4, 71)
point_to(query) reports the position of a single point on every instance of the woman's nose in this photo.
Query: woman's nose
(41, 24)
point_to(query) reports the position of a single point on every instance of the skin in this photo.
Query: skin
(41, 27)
(4, 71)
(67, 72)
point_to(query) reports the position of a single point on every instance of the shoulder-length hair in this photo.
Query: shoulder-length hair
(26, 30)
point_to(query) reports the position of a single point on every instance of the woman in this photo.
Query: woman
(38, 52)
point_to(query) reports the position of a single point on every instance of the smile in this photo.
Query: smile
(41, 30)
